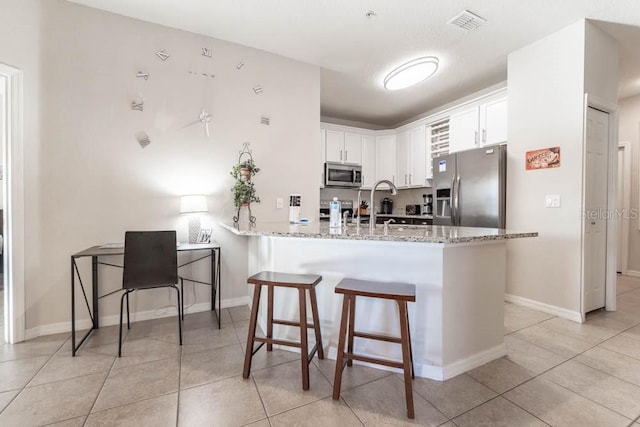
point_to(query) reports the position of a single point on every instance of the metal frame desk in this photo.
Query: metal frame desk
(95, 252)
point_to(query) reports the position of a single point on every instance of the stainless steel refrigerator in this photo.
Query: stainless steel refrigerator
(470, 188)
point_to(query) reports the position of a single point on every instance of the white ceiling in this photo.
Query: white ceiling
(355, 52)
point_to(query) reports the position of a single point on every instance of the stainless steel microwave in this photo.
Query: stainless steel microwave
(345, 176)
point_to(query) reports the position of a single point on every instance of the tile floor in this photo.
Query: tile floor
(557, 373)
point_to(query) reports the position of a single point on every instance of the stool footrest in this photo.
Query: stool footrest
(384, 362)
(378, 337)
(289, 323)
(279, 342)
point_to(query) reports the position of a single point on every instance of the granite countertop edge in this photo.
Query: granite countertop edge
(507, 235)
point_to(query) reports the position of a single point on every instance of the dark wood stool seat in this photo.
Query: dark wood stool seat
(399, 292)
(303, 283)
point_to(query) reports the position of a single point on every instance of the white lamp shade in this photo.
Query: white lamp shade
(193, 203)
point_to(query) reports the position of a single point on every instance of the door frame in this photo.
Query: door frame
(12, 149)
(626, 207)
(611, 247)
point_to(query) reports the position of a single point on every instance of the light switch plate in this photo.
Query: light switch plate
(279, 203)
(552, 201)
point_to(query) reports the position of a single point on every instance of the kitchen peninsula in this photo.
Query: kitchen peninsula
(459, 273)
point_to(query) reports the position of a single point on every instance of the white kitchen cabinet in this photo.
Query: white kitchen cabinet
(412, 157)
(493, 118)
(368, 161)
(463, 126)
(343, 147)
(403, 147)
(479, 125)
(386, 158)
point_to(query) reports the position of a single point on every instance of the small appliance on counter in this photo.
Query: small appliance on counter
(386, 206)
(346, 206)
(427, 207)
(413, 209)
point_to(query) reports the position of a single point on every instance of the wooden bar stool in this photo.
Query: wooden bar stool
(401, 293)
(303, 283)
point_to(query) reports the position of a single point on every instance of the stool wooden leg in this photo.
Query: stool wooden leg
(342, 335)
(352, 323)
(269, 316)
(304, 347)
(406, 356)
(316, 322)
(413, 371)
(248, 354)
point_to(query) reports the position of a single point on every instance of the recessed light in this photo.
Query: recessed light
(411, 73)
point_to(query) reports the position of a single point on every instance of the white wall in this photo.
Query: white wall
(86, 178)
(546, 85)
(629, 130)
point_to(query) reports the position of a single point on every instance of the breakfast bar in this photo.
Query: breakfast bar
(459, 273)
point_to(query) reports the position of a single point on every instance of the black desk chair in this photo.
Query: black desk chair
(150, 261)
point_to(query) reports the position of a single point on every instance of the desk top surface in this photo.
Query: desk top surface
(118, 249)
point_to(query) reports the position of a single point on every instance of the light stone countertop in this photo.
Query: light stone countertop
(405, 233)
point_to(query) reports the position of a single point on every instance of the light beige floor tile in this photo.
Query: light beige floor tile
(501, 375)
(353, 376)
(6, 397)
(530, 356)
(208, 338)
(498, 413)
(53, 402)
(634, 332)
(73, 422)
(562, 344)
(266, 359)
(15, 374)
(558, 406)
(616, 364)
(231, 402)
(325, 412)
(607, 323)
(62, 366)
(135, 352)
(99, 337)
(626, 344)
(610, 392)
(240, 313)
(454, 396)
(127, 385)
(383, 402)
(587, 332)
(626, 318)
(518, 317)
(45, 345)
(280, 387)
(157, 412)
(211, 365)
(261, 423)
(151, 328)
(205, 319)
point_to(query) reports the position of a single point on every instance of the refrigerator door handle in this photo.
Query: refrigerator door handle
(457, 201)
(451, 201)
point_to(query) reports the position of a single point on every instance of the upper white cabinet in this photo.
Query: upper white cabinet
(386, 158)
(343, 147)
(482, 124)
(368, 161)
(412, 157)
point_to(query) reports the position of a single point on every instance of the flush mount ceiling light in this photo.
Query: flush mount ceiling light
(411, 73)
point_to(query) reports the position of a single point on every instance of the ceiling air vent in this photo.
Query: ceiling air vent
(467, 21)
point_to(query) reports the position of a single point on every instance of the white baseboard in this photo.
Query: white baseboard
(632, 273)
(472, 362)
(63, 327)
(545, 308)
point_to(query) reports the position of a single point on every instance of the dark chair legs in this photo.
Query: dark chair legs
(128, 320)
(181, 307)
(179, 314)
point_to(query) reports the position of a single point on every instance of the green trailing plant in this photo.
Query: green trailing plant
(244, 191)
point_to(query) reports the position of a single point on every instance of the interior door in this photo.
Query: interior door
(621, 186)
(595, 205)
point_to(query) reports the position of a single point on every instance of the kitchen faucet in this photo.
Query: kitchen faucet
(372, 216)
(357, 210)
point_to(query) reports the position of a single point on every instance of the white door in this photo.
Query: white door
(622, 205)
(353, 148)
(494, 126)
(368, 161)
(386, 167)
(335, 145)
(403, 145)
(595, 205)
(418, 160)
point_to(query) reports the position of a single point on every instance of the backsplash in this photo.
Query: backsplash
(411, 196)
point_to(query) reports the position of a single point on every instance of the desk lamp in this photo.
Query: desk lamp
(193, 204)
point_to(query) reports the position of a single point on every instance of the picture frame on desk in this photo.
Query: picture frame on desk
(204, 236)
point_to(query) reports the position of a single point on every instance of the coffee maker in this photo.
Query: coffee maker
(386, 206)
(428, 204)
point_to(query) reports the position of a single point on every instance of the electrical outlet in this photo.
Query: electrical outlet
(552, 201)
(279, 203)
